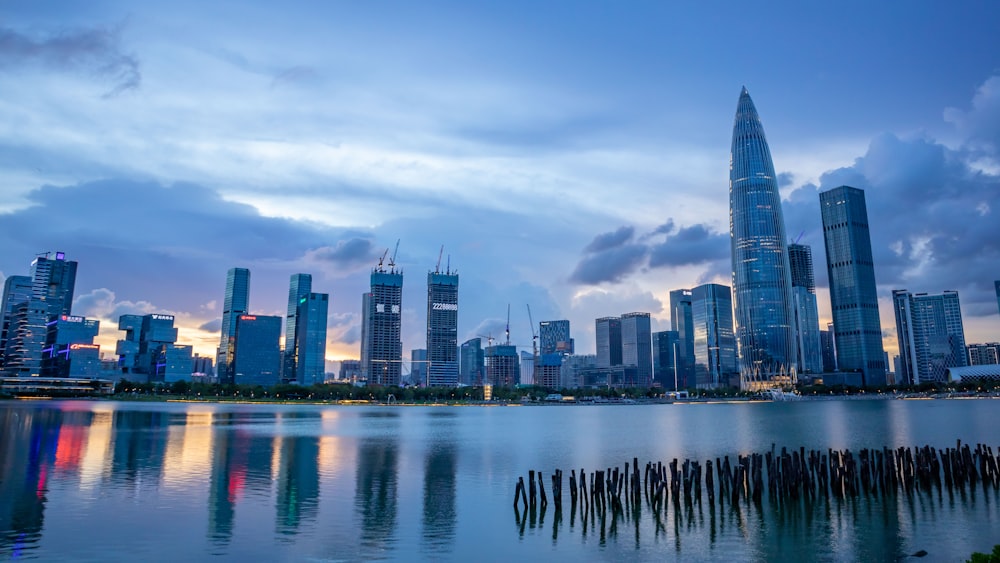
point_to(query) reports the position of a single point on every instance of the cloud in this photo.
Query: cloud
(614, 239)
(981, 123)
(214, 325)
(691, 245)
(610, 265)
(95, 51)
(346, 254)
(102, 303)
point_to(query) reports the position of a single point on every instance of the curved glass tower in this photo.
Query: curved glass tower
(762, 283)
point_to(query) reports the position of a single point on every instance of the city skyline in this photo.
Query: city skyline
(588, 192)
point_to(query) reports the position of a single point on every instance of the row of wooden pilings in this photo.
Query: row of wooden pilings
(783, 477)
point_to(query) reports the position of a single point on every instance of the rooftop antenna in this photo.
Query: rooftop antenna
(507, 329)
(437, 267)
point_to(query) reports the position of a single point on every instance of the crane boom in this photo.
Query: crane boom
(437, 267)
(507, 329)
(534, 335)
(392, 261)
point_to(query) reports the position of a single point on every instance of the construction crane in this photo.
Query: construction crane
(437, 267)
(392, 261)
(534, 335)
(381, 260)
(507, 329)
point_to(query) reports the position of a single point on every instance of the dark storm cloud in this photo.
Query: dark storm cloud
(610, 265)
(96, 51)
(214, 325)
(785, 179)
(348, 253)
(614, 239)
(695, 244)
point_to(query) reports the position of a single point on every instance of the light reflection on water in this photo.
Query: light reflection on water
(121, 481)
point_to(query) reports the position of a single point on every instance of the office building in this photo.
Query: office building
(350, 370)
(418, 367)
(202, 367)
(554, 338)
(442, 329)
(502, 366)
(472, 368)
(574, 369)
(762, 283)
(548, 371)
(931, 335)
(235, 305)
(810, 349)
(149, 351)
(637, 348)
(16, 290)
(366, 303)
(683, 324)
(714, 341)
(527, 375)
(256, 350)
(309, 330)
(26, 337)
(299, 287)
(853, 295)
(829, 349)
(609, 341)
(69, 348)
(665, 373)
(983, 354)
(53, 280)
(384, 353)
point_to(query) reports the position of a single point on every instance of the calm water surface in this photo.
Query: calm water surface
(108, 481)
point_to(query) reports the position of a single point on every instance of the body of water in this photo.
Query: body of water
(115, 481)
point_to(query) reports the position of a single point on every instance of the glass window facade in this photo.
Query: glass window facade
(442, 329)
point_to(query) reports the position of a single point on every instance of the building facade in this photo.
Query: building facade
(149, 351)
(299, 287)
(16, 290)
(762, 284)
(983, 354)
(810, 350)
(554, 338)
(931, 335)
(310, 338)
(384, 354)
(442, 329)
(714, 340)
(69, 348)
(472, 368)
(637, 348)
(665, 373)
(502, 366)
(235, 304)
(682, 322)
(608, 332)
(853, 293)
(418, 366)
(256, 350)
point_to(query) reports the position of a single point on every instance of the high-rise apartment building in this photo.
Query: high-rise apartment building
(16, 290)
(853, 293)
(554, 338)
(983, 354)
(53, 280)
(665, 374)
(609, 341)
(762, 283)
(810, 350)
(637, 348)
(384, 354)
(714, 341)
(235, 304)
(299, 287)
(472, 369)
(931, 335)
(256, 350)
(442, 329)
(682, 322)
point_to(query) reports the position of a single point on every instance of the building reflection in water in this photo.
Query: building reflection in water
(439, 486)
(241, 462)
(298, 483)
(376, 493)
(138, 449)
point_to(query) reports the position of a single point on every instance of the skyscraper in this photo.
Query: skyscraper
(637, 347)
(418, 366)
(16, 290)
(310, 338)
(442, 329)
(256, 353)
(853, 294)
(829, 349)
(762, 283)
(299, 286)
(149, 352)
(810, 358)
(384, 354)
(502, 366)
(683, 324)
(235, 304)
(714, 342)
(53, 281)
(664, 347)
(609, 341)
(931, 335)
(472, 369)
(554, 338)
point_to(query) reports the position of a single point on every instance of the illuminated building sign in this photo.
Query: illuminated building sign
(248, 318)
(162, 317)
(84, 346)
(72, 319)
(444, 307)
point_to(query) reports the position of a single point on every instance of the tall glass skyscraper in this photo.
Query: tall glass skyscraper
(236, 303)
(714, 341)
(682, 322)
(310, 338)
(931, 335)
(299, 286)
(853, 293)
(442, 329)
(810, 349)
(637, 347)
(608, 331)
(472, 369)
(554, 338)
(762, 283)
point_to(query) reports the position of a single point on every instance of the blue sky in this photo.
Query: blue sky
(569, 155)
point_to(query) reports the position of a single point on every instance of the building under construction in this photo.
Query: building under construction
(442, 327)
(381, 347)
(503, 369)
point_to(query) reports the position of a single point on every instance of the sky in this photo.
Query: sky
(569, 156)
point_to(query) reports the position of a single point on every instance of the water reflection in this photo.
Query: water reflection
(28, 446)
(376, 497)
(298, 483)
(440, 469)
